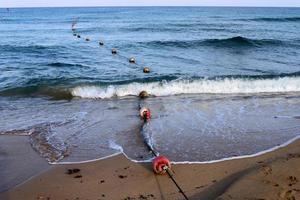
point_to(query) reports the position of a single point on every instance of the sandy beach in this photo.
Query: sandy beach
(274, 175)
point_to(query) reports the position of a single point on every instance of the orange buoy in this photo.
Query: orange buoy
(161, 164)
(145, 113)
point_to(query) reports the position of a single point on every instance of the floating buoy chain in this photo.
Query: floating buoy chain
(160, 164)
(113, 50)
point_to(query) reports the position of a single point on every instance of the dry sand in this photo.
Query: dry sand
(273, 175)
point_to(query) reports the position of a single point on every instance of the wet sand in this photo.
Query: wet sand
(274, 175)
(18, 161)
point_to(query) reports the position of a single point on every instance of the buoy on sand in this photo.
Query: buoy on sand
(161, 164)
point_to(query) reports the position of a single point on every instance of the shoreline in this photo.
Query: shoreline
(274, 175)
(186, 162)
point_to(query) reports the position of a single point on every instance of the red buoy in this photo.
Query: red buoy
(145, 113)
(161, 164)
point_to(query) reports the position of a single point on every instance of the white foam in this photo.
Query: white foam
(115, 146)
(164, 88)
(243, 156)
(186, 162)
(85, 161)
(112, 145)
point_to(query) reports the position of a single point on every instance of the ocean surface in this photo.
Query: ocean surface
(224, 82)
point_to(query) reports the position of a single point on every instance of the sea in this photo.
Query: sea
(224, 82)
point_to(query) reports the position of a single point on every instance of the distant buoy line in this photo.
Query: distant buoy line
(114, 51)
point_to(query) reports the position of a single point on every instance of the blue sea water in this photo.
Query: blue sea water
(38, 51)
(222, 65)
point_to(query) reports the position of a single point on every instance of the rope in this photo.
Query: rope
(146, 141)
(155, 154)
(174, 181)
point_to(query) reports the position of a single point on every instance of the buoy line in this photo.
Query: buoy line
(114, 51)
(161, 164)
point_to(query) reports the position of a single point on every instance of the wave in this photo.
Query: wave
(61, 64)
(58, 88)
(153, 29)
(227, 42)
(46, 144)
(31, 48)
(56, 93)
(4, 19)
(242, 41)
(66, 89)
(274, 19)
(204, 86)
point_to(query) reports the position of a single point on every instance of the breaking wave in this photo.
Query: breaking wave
(64, 89)
(217, 86)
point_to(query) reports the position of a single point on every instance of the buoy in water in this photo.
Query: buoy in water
(161, 164)
(146, 70)
(78, 36)
(114, 51)
(132, 60)
(101, 43)
(143, 94)
(145, 113)
(87, 39)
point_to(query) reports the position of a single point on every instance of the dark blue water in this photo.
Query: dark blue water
(224, 81)
(39, 55)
